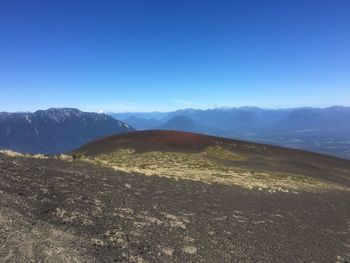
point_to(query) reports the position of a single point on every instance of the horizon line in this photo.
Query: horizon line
(181, 109)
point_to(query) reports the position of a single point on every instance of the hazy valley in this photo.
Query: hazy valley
(324, 130)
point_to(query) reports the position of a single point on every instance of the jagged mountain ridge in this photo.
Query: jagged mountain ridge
(55, 130)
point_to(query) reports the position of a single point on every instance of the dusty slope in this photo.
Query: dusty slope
(196, 156)
(72, 211)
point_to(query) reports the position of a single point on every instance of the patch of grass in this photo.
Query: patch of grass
(197, 166)
(222, 153)
(11, 153)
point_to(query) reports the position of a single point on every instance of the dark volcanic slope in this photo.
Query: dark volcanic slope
(150, 140)
(256, 157)
(58, 211)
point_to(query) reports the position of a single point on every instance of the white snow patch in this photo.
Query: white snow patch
(28, 119)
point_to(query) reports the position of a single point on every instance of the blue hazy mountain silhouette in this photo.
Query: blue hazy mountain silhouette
(55, 130)
(325, 130)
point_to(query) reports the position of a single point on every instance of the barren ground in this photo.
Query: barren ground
(52, 210)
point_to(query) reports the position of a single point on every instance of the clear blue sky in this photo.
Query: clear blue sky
(131, 55)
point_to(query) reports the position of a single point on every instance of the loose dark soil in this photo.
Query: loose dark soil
(58, 211)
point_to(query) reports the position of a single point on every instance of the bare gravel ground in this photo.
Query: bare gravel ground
(58, 211)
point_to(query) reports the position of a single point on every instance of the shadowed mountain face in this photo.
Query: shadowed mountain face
(320, 130)
(181, 123)
(55, 130)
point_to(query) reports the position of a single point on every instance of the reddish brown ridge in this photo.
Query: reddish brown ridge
(151, 140)
(257, 157)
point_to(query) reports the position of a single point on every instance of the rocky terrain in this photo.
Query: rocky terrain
(72, 208)
(200, 157)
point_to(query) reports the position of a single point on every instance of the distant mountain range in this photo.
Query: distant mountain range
(60, 130)
(181, 123)
(55, 130)
(324, 130)
(143, 123)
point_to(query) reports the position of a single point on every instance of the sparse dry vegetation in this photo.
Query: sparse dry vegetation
(65, 157)
(11, 153)
(205, 167)
(77, 209)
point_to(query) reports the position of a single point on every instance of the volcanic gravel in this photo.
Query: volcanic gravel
(58, 211)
